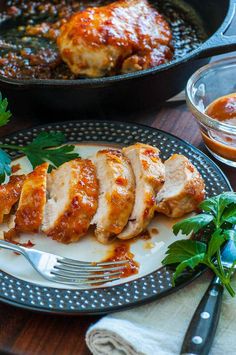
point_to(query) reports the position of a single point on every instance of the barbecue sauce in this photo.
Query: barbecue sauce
(223, 110)
(121, 251)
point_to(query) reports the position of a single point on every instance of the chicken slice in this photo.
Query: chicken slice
(73, 197)
(29, 214)
(10, 194)
(123, 36)
(149, 175)
(117, 192)
(183, 190)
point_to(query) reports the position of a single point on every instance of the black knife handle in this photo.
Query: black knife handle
(201, 331)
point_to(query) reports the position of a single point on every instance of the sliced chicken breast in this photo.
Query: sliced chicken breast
(183, 190)
(10, 194)
(149, 176)
(73, 197)
(117, 193)
(29, 214)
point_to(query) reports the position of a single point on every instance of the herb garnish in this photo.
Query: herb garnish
(4, 113)
(46, 147)
(37, 151)
(219, 216)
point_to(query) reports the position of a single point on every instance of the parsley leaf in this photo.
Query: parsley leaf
(216, 241)
(188, 253)
(192, 262)
(48, 139)
(38, 153)
(192, 224)
(220, 215)
(229, 215)
(182, 250)
(226, 199)
(46, 147)
(55, 157)
(5, 168)
(4, 113)
(210, 205)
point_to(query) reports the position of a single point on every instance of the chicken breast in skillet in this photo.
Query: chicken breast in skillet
(117, 193)
(124, 36)
(10, 194)
(183, 190)
(149, 176)
(72, 203)
(29, 214)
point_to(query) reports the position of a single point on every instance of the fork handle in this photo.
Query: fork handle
(11, 246)
(202, 328)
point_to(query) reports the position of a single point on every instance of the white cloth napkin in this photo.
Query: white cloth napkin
(159, 327)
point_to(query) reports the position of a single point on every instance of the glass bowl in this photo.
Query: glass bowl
(207, 84)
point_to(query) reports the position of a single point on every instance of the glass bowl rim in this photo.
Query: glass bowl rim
(201, 116)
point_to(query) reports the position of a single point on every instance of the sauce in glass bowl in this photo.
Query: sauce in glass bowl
(223, 110)
(211, 97)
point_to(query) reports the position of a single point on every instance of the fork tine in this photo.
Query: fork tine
(82, 282)
(88, 263)
(88, 273)
(86, 269)
(107, 263)
(85, 276)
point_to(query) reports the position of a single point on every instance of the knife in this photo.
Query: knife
(202, 328)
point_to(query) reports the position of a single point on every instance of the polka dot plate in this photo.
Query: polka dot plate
(23, 287)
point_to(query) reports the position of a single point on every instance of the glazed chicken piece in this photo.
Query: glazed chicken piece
(73, 197)
(10, 194)
(117, 193)
(124, 36)
(183, 190)
(29, 214)
(149, 176)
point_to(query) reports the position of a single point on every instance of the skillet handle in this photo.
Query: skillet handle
(220, 42)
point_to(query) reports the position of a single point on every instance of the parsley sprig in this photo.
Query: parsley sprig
(4, 113)
(218, 218)
(46, 147)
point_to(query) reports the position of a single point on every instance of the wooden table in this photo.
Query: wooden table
(24, 332)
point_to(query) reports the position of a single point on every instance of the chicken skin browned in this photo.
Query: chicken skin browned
(149, 177)
(117, 191)
(124, 36)
(29, 214)
(73, 197)
(10, 194)
(183, 190)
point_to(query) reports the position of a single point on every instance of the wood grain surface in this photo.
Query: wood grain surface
(25, 332)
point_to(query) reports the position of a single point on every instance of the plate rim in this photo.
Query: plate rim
(103, 311)
(134, 303)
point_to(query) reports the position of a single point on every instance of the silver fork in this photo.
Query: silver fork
(68, 271)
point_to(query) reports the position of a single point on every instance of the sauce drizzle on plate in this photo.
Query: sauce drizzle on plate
(121, 251)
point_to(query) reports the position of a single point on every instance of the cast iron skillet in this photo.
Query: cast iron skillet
(133, 91)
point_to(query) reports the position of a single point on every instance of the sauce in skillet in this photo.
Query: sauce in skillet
(28, 32)
(223, 110)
